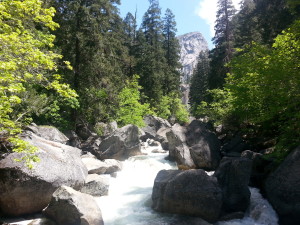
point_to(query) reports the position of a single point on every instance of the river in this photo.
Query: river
(129, 199)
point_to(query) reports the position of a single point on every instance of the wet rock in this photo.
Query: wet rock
(96, 185)
(122, 144)
(190, 192)
(282, 189)
(70, 207)
(106, 166)
(233, 175)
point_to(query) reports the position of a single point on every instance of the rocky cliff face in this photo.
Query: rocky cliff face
(191, 44)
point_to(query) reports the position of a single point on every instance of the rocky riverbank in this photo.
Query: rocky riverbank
(66, 176)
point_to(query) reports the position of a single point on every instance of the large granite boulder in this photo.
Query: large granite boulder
(70, 207)
(190, 192)
(178, 149)
(283, 189)
(96, 185)
(233, 175)
(122, 144)
(48, 132)
(24, 190)
(161, 136)
(204, 145)
(106, 166)
(153, 124)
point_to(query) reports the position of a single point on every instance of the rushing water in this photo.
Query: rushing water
(129, 199)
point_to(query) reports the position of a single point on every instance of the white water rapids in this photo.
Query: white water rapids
(129, 199)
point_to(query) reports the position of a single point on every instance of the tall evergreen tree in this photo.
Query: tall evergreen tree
(199, 81)
(151, 64)
(223, 40)
(246, 25)
(172, 50)
(274, 16)
(91, 39)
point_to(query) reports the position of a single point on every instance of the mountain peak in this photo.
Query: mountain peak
(191, 44)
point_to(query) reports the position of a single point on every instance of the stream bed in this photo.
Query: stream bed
(129, 199)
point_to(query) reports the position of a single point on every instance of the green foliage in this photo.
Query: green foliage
(25, 59)
(131, 111)
(264, 89)
(171, 106)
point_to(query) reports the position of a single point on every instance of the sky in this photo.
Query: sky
(190, 15)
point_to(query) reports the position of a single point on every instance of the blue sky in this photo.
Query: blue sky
(190, 15)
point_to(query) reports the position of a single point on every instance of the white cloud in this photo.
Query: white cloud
(207, 10)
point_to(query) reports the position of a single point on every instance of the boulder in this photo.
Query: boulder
(178, 150)
(97, 166)
(70, 207)
(161, 136)
(122, 144)
(24, 190)
(152, 143)
(233, 175)
(48, 132)
(96, 185)
(74, 140)
(190, 192)
(204, 145)
(153, 124)
(282, 189)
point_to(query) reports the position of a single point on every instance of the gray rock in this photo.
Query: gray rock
(74, 140)
(107, 166)
(161, 136)
(25, 190)
(233, 175)
(122, 144)
(153, 143)
(178, 150)
(70, 207)
(48, 132)
(153, 124)
(96, 185)
(282, 189)
(190, 192)
(191, 44)
(204, 145)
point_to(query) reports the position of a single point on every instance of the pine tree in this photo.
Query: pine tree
(223, 40)
(246, 29)
(172, 49)
(90, 37)
(151, 63)
(199, 81)
(273, 16)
